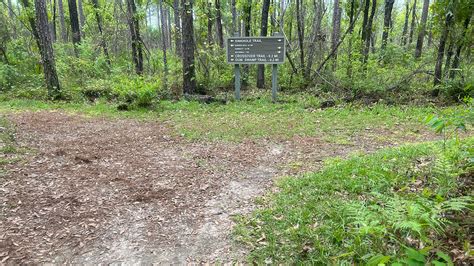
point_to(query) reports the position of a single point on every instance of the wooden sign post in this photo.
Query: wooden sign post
(256, 51)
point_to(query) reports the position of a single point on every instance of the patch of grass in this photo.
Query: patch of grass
(7, 137)
(9, 151)
(254, 119)
(365, 207)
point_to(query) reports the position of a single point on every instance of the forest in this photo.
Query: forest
(137, 52)
(123, 140)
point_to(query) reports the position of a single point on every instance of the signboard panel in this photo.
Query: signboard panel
(255, 50)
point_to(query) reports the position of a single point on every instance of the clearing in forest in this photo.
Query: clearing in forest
(97, 189)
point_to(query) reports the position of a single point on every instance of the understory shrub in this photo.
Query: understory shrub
(366, 207)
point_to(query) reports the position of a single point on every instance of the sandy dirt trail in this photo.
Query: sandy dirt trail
(97, 190)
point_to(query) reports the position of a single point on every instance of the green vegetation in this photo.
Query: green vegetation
(9, 150)
(259, 118)
(367, 207)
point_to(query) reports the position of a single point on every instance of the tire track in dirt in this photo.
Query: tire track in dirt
(97, 190)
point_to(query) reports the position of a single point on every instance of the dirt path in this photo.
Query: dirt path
(99, 190)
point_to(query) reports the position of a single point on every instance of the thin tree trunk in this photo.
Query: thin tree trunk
(247, 29)
(165, 62)
(177, 26)
(442, 44)
(272, 17)
(74, 20)
(299, 24)
(336, 28)
(220, 34)
(234, 17)
(209, 24)
(164, 27)
(137, 53)
(457, 56)
(62, 21)
(365, 19)
(449, 55)
(82, 18)
(54, 34)
(315, 36)
(158, 24)
(430, 33)
(263, 32)
(387, 21)
(168, 26)
(47, 54)
(351, 26)
(421, 34)
(405, 25)
(189, 76)
(351, 30)
(98, 18)
(368, 32)
(282, 12)
(413, 20)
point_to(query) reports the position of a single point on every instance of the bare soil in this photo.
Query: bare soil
(97, 190)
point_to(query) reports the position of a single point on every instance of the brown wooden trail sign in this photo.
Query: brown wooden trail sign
(256, 50)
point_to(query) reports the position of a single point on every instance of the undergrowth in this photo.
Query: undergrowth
(397, 205)
(259, 118)
(9, 150)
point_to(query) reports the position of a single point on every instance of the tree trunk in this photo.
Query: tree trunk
(209, 24)
(54, 33)
(168, 26)
(299, 24)
(177, 26)
(137, 53)
(98, 18)
(47, 55)
(442, 44)
(405, 25)
(263, 32)
(282, 12)
(165, 62)
(430, 34)
(460, 44)
(365, 19)
(449, 55)
(351, 30)
(82, 18)
(272, 18)
(62, 21)
(368, 32)
(158, 24)
(413, 20)
(315, 36)
(220, 34)
(336, 28)
(189, 76)
(74, 20)
(165, 16)
(387, 21)
(247, 29)
(421, 34)
(234, 17)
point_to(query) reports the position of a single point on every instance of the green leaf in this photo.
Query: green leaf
(445, 257)
(415, 255)
(378, 260)
(438, 263)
